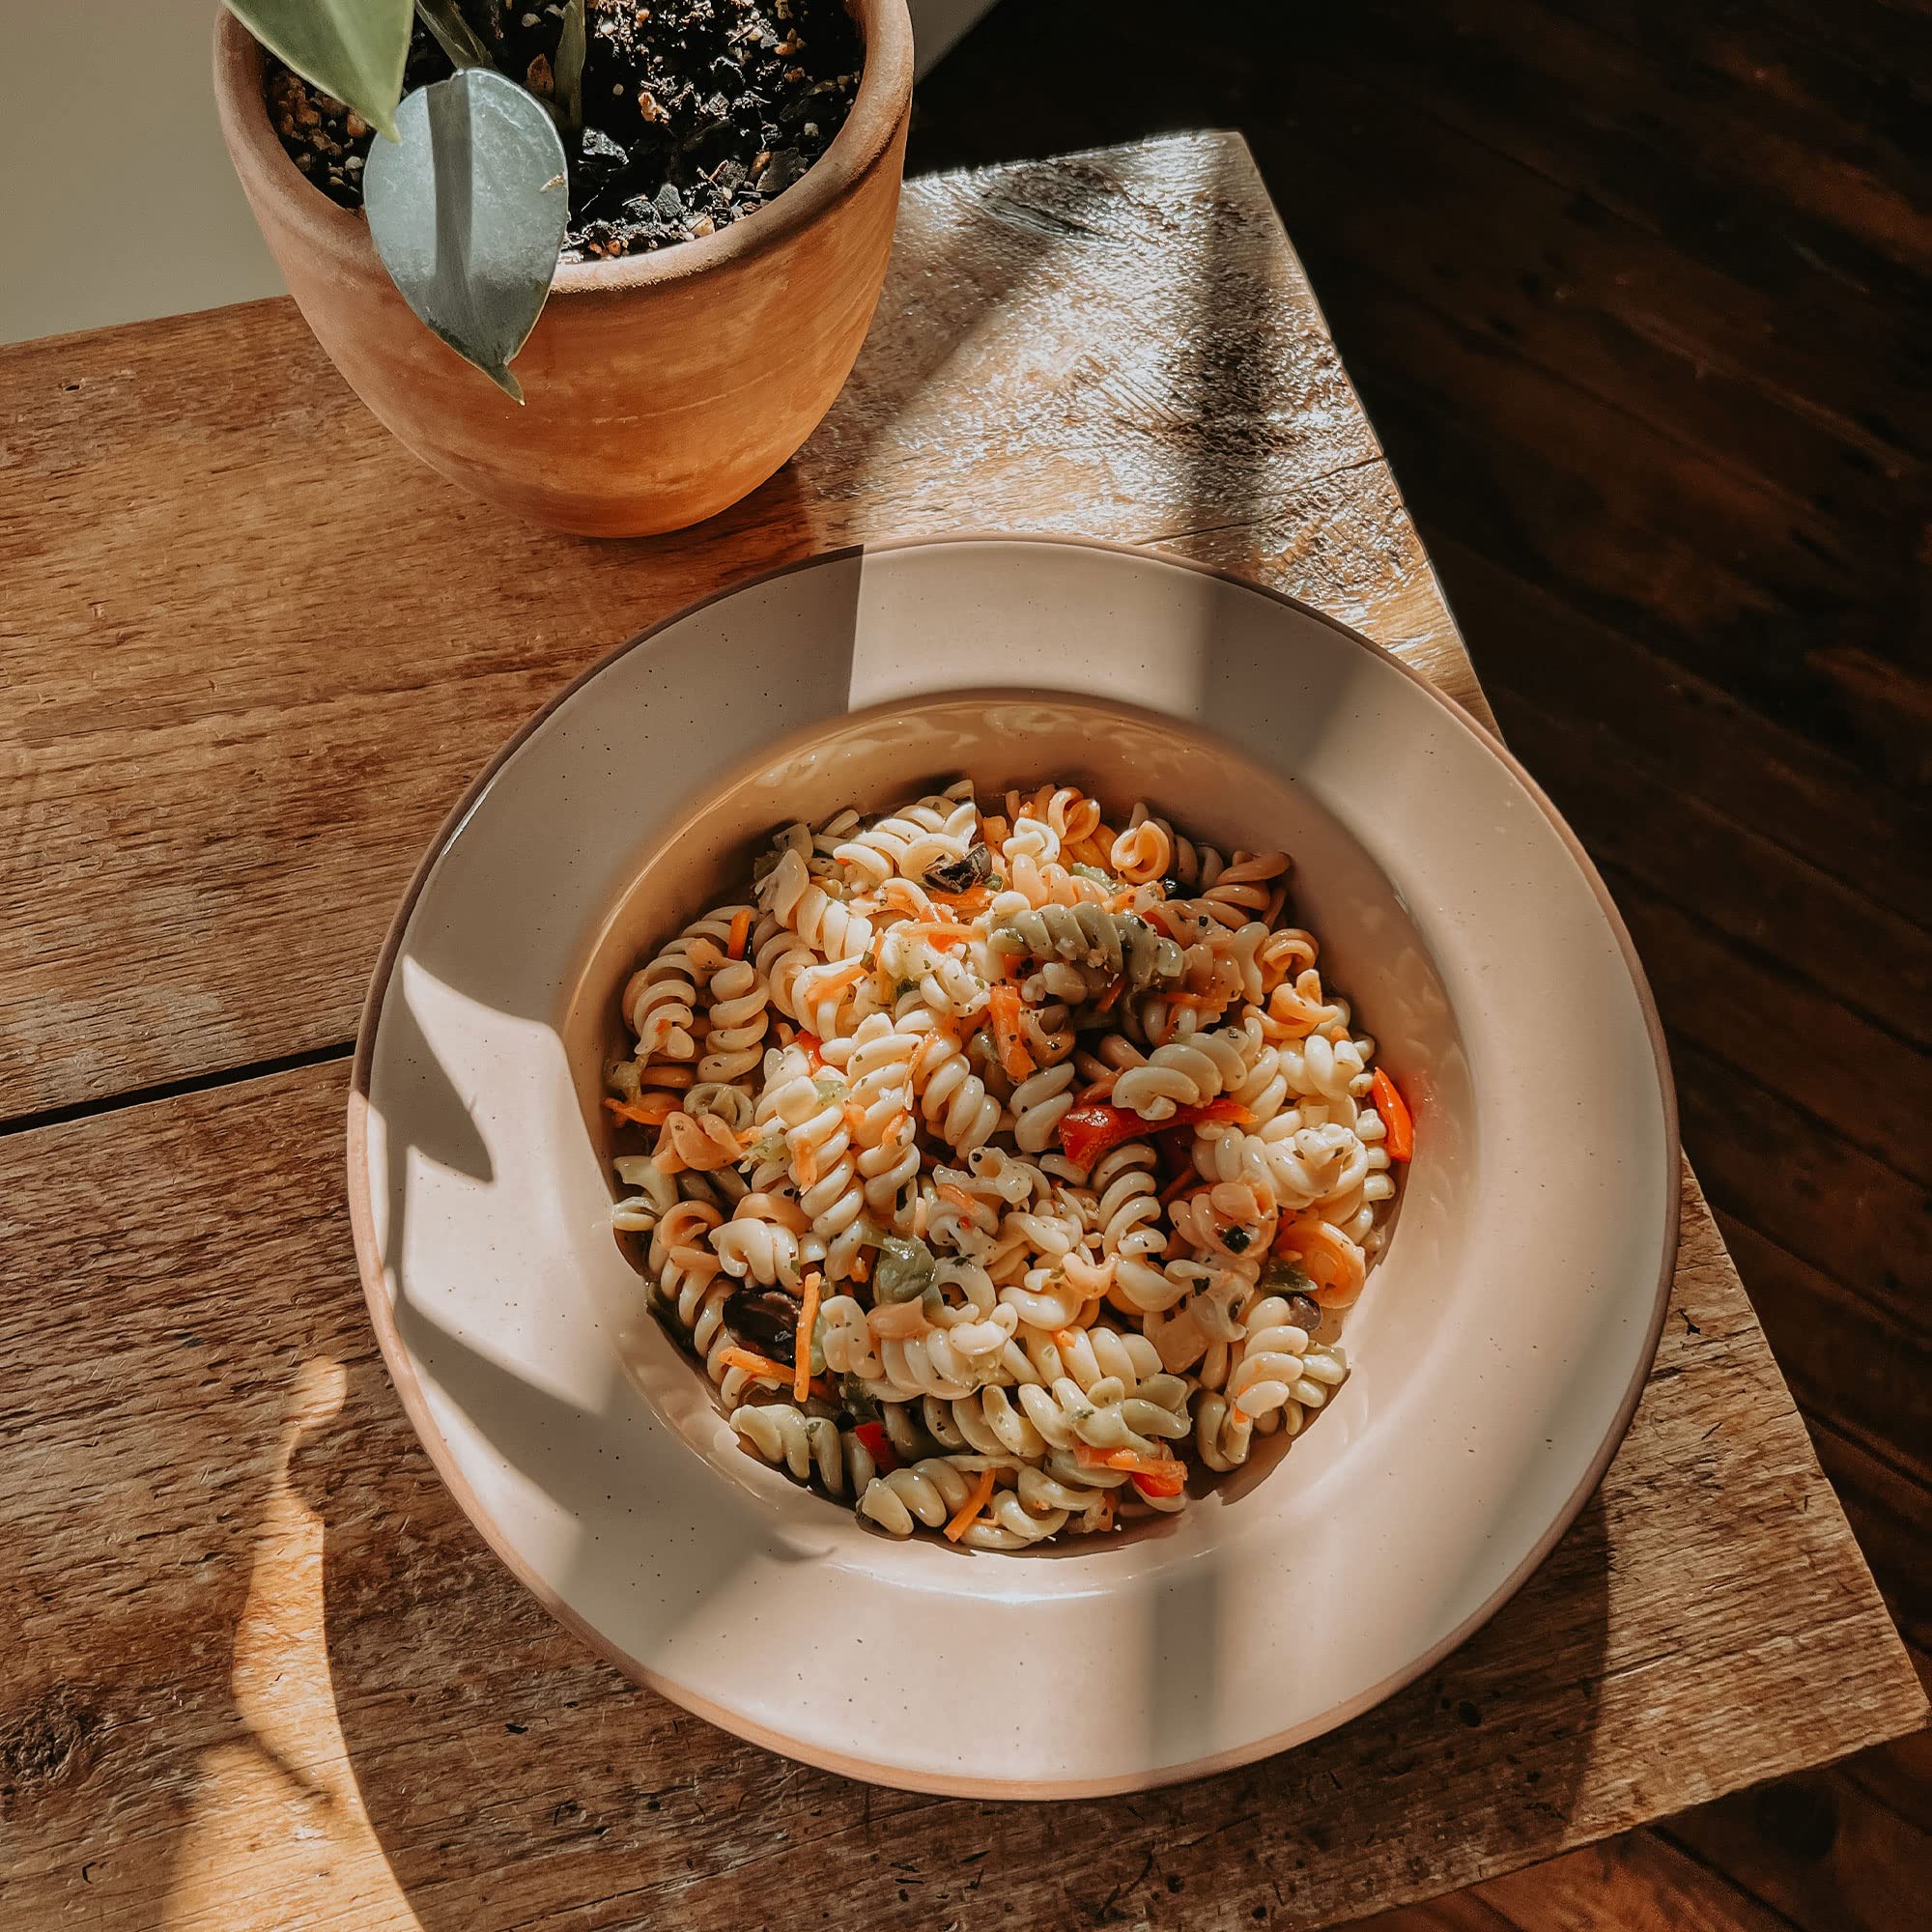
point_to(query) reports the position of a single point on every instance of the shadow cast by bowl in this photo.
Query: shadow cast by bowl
(508, 1774)
(566, 1448)
(1506, 1721)
(496, 1755)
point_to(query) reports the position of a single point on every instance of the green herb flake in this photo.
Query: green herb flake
(857, 1401)
(1279, 1276)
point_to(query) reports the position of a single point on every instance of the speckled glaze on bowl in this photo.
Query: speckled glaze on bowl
(1498, 1353)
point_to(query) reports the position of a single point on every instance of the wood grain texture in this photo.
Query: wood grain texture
(266, 1673)
(262, 1672)
(252, 650)
(1634, 294)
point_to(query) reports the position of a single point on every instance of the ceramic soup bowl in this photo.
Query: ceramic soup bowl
(1496, 1354)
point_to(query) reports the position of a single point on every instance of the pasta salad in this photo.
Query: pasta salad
(1004, 1168)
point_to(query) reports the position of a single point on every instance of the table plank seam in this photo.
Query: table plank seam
(174, 1089)
(191, 1587)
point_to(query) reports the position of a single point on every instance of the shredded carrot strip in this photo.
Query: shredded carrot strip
(944, 931)
(1162, 1467)
(808, 1314)
(1180, 1185)
(823, 1389)
(805, 1165)
(862, 1268)
(969, 1510)
(741, 930)
(651, 1112)
(958, 1196)
(993, 829)
(975, 899)
(1064, 1338)
(1108, 998)
(762, 1366)
(1124, 1459)
(1241, 1416)
(1004, 1004)
(835, 978)
(855, 1117)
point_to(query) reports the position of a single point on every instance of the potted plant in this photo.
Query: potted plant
(605, 296)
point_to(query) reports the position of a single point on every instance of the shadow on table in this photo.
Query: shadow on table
(127, 1725)
(997, 239)
(496, 1758)
(955, 274)
(511, 1776)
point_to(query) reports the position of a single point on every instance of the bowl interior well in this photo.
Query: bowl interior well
(886, 755)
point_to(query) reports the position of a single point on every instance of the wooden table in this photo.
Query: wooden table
(255, 1669)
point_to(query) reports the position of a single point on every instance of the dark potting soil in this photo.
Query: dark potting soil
(695, 111)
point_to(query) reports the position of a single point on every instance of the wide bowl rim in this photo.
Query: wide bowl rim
(879, 105)
(414, 1400)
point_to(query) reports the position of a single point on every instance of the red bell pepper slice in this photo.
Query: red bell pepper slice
(1088, 1132)
(878, 1445)
(1395, 1117)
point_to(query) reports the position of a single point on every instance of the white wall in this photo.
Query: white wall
(120, 202)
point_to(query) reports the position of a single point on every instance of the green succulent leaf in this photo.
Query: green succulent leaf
(454, 35)
(353, 49)
(573, 43)
(467, 212)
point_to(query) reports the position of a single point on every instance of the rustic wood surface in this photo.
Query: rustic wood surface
(1635, 294)
(258, 1669)
(252, 650)
(262, 1672)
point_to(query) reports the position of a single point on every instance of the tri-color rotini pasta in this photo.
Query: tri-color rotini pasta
(1005, 1168)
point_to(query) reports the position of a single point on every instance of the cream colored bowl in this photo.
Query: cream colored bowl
(1497, 1352)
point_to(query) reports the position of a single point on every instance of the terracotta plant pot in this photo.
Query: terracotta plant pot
(659, 387)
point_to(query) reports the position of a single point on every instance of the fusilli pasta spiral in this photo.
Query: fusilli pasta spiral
(1001, 1171)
